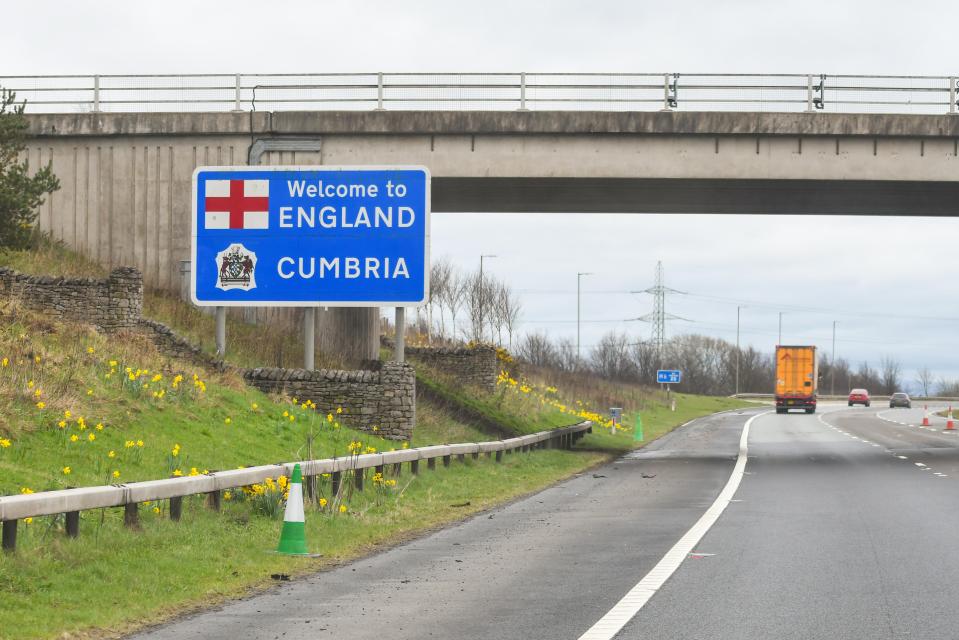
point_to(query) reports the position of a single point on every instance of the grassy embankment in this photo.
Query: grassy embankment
(113, 579)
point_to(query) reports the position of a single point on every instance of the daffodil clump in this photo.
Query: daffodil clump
(547, 396)
(80, 408)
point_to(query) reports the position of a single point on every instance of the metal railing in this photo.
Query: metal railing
(487, 91)
(71, 502)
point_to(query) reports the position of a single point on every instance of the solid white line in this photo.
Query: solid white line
(637, 597)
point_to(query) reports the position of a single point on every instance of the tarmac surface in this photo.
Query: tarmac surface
(844, 526)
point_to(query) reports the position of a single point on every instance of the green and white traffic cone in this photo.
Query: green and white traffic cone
(293, 536)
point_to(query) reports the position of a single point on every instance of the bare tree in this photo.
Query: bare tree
(537, 349)
(926, 378)
(891, 374)
(441, 272)
(510, 309)
(453, 296)
(611, 357)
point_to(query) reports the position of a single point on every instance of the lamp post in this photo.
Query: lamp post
(579, 277)
(737, 349)
(832, 363)
(480, 292)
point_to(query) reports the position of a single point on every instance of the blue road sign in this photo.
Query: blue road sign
(310, 236)
(669, 376)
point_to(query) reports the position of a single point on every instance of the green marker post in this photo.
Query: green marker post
(638, 429)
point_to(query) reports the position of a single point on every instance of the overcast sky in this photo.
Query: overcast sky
(890, 283)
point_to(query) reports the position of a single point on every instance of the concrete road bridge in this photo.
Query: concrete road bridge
(125, 147)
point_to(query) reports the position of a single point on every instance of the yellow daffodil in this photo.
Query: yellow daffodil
(177, 473)
(66, 471)
(112, 454)
(322, 502)
(90, 350)
(41, 405)
(92, 437)
(26, 490)
(342, 508)
(4, 443)
(74, 438)
(116, 473)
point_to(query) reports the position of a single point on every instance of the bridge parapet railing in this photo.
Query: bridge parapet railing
(496, 91)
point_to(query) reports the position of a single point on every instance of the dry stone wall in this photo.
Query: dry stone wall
(110, 304)
(474, 366)
(383, 398)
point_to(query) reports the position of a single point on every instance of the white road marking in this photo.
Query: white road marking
(919, 464)
(902, 457)
(637, 597)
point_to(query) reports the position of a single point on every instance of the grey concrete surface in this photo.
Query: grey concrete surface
(126, 178)
(835, 536)
(545, 567)
(497, 122)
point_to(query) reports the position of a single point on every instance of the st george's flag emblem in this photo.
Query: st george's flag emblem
(237, 204)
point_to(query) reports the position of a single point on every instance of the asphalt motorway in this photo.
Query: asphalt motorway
(844, 526)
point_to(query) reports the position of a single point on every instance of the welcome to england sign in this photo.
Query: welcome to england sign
(310, 236)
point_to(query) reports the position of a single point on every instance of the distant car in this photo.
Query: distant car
(859, 396)
(900, 400)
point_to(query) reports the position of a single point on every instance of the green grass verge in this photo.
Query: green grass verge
(113, 579)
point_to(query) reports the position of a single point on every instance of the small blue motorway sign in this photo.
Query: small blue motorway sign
(669, 376)
(310, 236)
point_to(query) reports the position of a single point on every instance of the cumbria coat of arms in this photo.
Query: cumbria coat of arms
(236, 266)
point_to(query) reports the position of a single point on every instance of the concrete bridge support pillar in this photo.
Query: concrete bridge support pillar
(349, 334)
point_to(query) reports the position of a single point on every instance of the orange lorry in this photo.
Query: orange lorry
(797, 377)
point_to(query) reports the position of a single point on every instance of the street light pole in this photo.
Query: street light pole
(737, 349)
(832, 362)
(578, 278)
(480, 293)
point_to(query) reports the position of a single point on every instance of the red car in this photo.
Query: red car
(859, 396)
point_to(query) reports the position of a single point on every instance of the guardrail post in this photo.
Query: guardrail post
(522, 91)
(10, 535)
(379, 469)
(476, 455)
(176, 508)
(431, 464)
(72, 519)
(131, 514)
(96, 94)
(397, 469)
(447, 460)
(952, 96)
(379, 91)
(461, 457)
(336, 481)
(358, 479)
(414, 467)
(809, 108)
(499, 455)
(236, 95)
(213, 499)
(489, 454)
